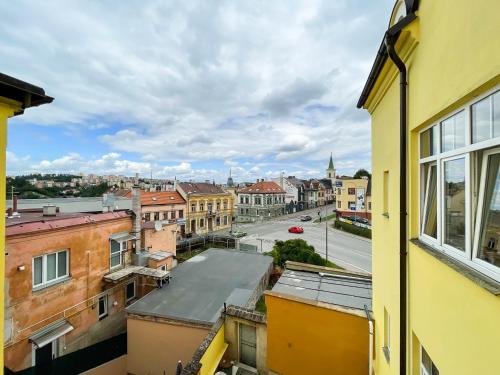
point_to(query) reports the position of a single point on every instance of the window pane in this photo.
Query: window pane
(61, 264)
(496, 114)
(37, 271)
(430, 219)
(429, 142)
(426, 361)
(490, 225)
(453, 132)
(454, 203)
(115, 260)
(115, 246)
(51, 267)
(481, 120)
(130, 291)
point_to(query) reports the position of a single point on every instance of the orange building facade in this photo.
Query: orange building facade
(57, 300)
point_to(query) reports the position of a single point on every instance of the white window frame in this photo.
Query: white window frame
(473, 215)
(57, 279)
(163, 267)
(127, 299)
(425, 197)
(120, 252)
(105, 313)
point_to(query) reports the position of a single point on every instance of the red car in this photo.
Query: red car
(296, 230)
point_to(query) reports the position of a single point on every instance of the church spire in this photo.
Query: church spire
(330, 165)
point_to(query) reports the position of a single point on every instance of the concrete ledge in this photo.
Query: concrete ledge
(477, 277)
(297, 266)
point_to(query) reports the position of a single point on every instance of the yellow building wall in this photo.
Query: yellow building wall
(7, 108)
(344, 197)
(308, 339)
(213, 355)
(456, 58)
(198, 214)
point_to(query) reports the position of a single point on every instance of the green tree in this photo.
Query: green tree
(362, 173)
(296, 250)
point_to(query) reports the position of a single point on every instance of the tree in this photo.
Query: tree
(296, 250)
(362, 173)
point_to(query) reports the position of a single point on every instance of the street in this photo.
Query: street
(344, 249)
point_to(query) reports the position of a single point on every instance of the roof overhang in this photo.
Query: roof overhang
(25, 93)
(381, 58)
(122, 236)
(51, 333)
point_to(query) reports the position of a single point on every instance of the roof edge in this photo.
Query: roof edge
(381, 57)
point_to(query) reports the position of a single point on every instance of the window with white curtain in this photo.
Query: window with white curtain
(460, 184)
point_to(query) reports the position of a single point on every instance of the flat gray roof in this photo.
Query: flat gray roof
(336, 289)
(200, 286)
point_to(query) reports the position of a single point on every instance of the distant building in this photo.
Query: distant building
(291, 193)
(262, 200)
(209, 207)
(353, 197)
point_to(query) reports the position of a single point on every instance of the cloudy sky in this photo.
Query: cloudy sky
(192, 88)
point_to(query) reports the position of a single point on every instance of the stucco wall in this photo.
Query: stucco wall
(117, 366)
(307, 339)
(164, 239)
(154, 347)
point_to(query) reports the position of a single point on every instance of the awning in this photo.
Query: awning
(51, 333)
(122, 236)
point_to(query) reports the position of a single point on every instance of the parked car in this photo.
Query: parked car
(295, 230)
(238, 233)
(305, 218)
(356, 219)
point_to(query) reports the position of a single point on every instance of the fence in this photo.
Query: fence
(212, 240)
(81, 360)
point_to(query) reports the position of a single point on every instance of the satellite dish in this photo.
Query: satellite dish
(158, 226)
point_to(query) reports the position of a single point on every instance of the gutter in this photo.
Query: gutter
(390, 40)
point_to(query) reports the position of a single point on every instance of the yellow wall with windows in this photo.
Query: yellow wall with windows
(198, 214)
(343, 197)
(455, 57)
(303, 338)
(7, 108)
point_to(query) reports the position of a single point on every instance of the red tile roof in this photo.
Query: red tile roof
(159, 198)
(263, 187)
(41, 223)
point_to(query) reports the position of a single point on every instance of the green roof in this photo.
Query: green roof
(330, 165)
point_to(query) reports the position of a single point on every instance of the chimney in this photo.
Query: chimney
(258, 180)
(14, 204)
(175, 184)
(136, 208)
(281, 180)
(49, 210)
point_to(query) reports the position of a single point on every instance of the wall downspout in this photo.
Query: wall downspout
(403, 251)
(370, 343)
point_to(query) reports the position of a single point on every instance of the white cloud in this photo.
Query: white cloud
(199, 81)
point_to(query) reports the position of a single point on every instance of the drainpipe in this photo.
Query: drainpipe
(370, 338)
(403, 251)
(136, 209)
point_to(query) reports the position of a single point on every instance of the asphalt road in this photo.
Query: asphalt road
(346, 250)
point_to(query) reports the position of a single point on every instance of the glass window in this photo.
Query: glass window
(481, 120)
(429, 142)
(453, 132)
(130, 291)
(181, 214)
(103, 307)
(50, 267)
(454, 203)
(427, 367)
(387, 333)
(61, 263)
(488, 249)
(225, 220)
(429, 221)
(37, 270)
(496, 114)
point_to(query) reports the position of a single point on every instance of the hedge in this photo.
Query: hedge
(354, 229)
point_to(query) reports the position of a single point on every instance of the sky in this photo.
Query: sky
(190, 89)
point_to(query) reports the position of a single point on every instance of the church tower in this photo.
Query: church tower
(330, 172)
(230, 182)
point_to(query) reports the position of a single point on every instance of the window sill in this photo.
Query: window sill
(51, 284)
(478, 278)
(387, 353)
